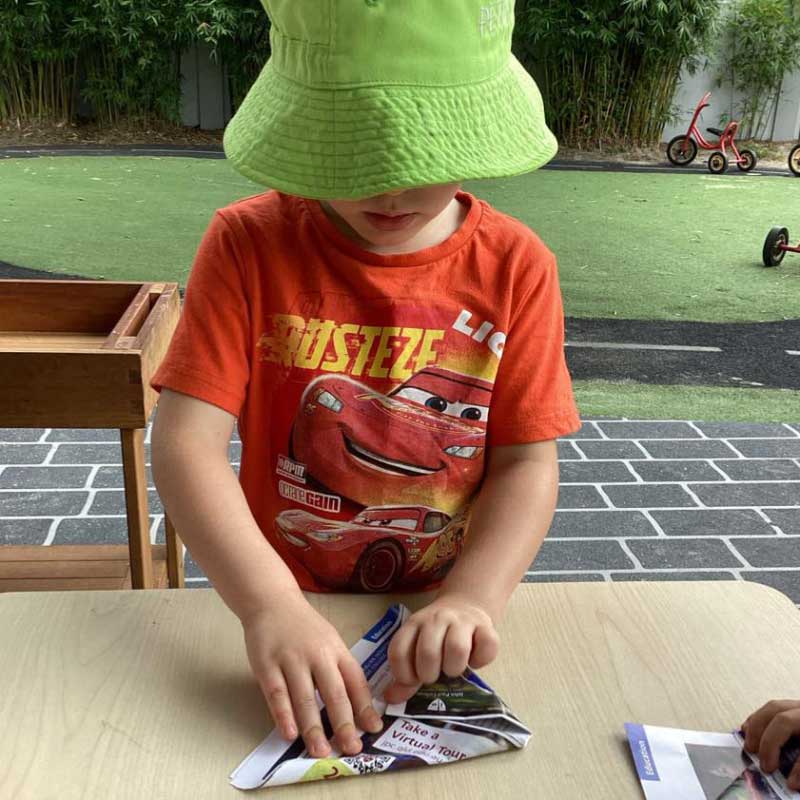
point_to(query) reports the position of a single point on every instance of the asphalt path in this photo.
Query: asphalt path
(215, 151)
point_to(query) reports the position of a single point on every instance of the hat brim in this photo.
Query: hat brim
(348, 143)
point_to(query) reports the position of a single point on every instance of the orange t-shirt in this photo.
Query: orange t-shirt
(368, 386)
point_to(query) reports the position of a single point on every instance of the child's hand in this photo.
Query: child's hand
(445, 636)
(768, 729)
(292, 649)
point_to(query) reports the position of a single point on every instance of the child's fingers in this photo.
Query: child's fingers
(457, 649)
(360, 695)
(306, 710)
(758, 721)
(781, 727)
(430, 643)
(485, 645)
(400, 692)
(273, 687)
(402, 653)
(337, 703)
(793, 781)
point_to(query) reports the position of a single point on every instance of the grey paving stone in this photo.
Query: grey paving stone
(580, 497)
(658, 471)
(685, 554)
(787, 519)
(759, 469)
(702, 448)
(83, 435)
(649, 430)
(41, 504)
(582, 556)
(192, 568)
(108, 453)
(748, 494)
(203, 584)
(713, 522)
(113, 502)
(768, 448)
(567, 451)
(112, 478)
(610, 450)
(711, 575)
(21, 434)
(564, 577)
(756, 430)
(23, 531)
(776, 551)
(595, 472)
(649, 495)
(44, 477)
(608, 523)
(587, 431)
(786, 581)
(92, 530)
(23, 453)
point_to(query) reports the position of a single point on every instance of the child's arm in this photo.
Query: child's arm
(290, 646)
(510, 518)
(768, 729)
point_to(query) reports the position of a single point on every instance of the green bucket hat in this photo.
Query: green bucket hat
(360, 97)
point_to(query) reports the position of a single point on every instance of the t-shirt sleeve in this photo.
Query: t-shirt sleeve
(532, 398)
(209, 356)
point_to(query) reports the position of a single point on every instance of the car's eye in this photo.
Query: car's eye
(437, 403)
(463, 452)
(329, 401)
(471, 413)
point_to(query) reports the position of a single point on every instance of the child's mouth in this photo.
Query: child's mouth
(389, 222)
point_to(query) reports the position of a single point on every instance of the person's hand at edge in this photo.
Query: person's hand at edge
(768, 729)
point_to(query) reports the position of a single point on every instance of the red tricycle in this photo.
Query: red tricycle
(776, 246)
(682, 149)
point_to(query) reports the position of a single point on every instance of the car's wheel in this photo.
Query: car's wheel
(794, 160)
(681, 150)
(773, 253)
(748, 160)
(717, 162)
(379, 567)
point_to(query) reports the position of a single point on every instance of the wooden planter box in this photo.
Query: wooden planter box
(80, 354)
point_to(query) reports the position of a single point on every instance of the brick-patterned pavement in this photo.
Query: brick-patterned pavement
(639, 500)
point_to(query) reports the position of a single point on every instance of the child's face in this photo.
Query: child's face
(395, 218)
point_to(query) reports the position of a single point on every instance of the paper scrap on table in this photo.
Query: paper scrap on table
(450, 720)
(674, 764)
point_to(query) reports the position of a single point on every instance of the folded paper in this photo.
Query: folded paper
(450, 720)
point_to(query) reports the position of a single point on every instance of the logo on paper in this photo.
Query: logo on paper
(437, 705)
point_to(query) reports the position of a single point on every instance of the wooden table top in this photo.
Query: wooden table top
(148, 694)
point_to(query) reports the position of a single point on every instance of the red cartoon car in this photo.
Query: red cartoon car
(378, 549)
(422, 445)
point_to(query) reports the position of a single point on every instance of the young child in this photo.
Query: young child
(392, 348)
(768, 729)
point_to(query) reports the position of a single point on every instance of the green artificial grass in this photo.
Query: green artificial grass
(638, 246)
(707, 403)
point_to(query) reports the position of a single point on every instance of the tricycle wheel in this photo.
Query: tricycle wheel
(681, 150)
(794, 160)
(717, 162)
(773, 253)
(748, 160)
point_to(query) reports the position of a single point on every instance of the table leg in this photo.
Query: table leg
(141, 552)
(174, 555)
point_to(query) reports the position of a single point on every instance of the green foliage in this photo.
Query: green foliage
(124, 55)
(761, 44)
(608, 70)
